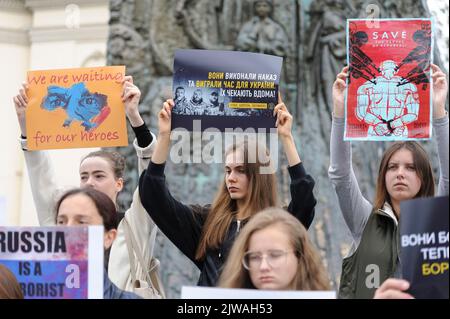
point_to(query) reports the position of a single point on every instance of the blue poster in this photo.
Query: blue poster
(224, 90)
(424, 246)
(57, 262)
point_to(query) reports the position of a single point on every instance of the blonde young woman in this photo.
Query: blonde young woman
(405, 172)
(205, 233)
(273, 252)
(101, 170)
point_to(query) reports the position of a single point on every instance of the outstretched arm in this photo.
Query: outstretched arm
(44, 187)
(164, 122)
(144, 142)
(302, 198)
(130, 97)
(20, 103)
(354, 207)
(441, 126)
(284, 129)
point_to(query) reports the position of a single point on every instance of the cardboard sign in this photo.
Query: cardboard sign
(424, 246)
(74, 108)
(224, 90)
(389, 87)
(55, 262)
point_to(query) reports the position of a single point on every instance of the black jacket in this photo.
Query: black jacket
(183, 224)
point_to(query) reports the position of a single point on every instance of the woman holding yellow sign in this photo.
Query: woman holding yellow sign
(103, 171)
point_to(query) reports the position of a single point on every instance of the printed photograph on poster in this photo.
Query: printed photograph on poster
(224, 90)
(55, 262)
(424, 239)
(74, 108)
(389, 85)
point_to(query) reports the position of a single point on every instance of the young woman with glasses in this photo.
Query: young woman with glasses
(273, 252)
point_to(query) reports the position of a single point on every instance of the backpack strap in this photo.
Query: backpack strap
(152, 240)
(131, 256)
(133, 251)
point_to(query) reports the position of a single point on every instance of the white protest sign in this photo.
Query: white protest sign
(57, 262)
(228, 293)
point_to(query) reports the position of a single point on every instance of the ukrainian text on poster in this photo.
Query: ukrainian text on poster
(225, 89)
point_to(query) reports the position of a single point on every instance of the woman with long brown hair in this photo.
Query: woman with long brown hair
(205, 233)
(405, 173)
(273, 252)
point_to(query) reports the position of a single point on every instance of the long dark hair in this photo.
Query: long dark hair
(103, 203)
(423, 169)
(262, 193)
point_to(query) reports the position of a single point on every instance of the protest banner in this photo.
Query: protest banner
(389, 85)
(188, 292)
(225, 90)
(74, 108)
(55, 262)
(424, 246)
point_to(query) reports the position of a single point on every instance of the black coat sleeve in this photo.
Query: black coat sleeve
(182, 224)
(143, 136)
(302, 198)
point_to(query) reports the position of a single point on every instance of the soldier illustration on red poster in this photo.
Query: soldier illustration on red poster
(388, 96)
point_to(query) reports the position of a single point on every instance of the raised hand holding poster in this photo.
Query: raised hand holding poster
(225, 90)
(55, 262)
(74, 108)
(424, 246)
(389, 85)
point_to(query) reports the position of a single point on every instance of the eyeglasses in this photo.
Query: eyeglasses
(274, 258)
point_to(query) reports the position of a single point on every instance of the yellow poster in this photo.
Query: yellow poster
(74, 108)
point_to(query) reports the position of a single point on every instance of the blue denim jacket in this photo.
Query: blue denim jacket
(111, 291)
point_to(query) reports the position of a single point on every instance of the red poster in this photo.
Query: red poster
(388, 94)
